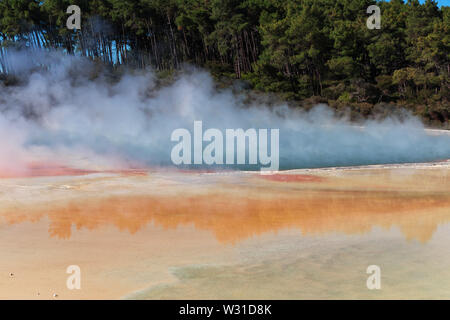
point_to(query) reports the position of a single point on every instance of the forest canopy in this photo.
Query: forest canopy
(299, 49)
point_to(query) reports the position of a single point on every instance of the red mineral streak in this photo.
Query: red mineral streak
(43, 171)
(292, 178)
(54, 170)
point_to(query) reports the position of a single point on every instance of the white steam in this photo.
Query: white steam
(63, 116)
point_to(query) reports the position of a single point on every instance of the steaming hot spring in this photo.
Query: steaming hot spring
(87, 179)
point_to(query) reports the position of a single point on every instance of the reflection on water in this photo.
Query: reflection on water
(237, 211)
(230, 236)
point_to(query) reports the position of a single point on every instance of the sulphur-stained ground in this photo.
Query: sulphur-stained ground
(228, 234)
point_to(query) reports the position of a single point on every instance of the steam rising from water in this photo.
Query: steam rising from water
(63, 116)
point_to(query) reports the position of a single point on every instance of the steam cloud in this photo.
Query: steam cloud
(62, 116)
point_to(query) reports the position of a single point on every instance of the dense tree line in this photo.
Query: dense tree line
(297, 48)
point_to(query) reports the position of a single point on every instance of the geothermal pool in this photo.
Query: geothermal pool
(299, 234)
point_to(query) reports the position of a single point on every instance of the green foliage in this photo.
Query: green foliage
(296, 48)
